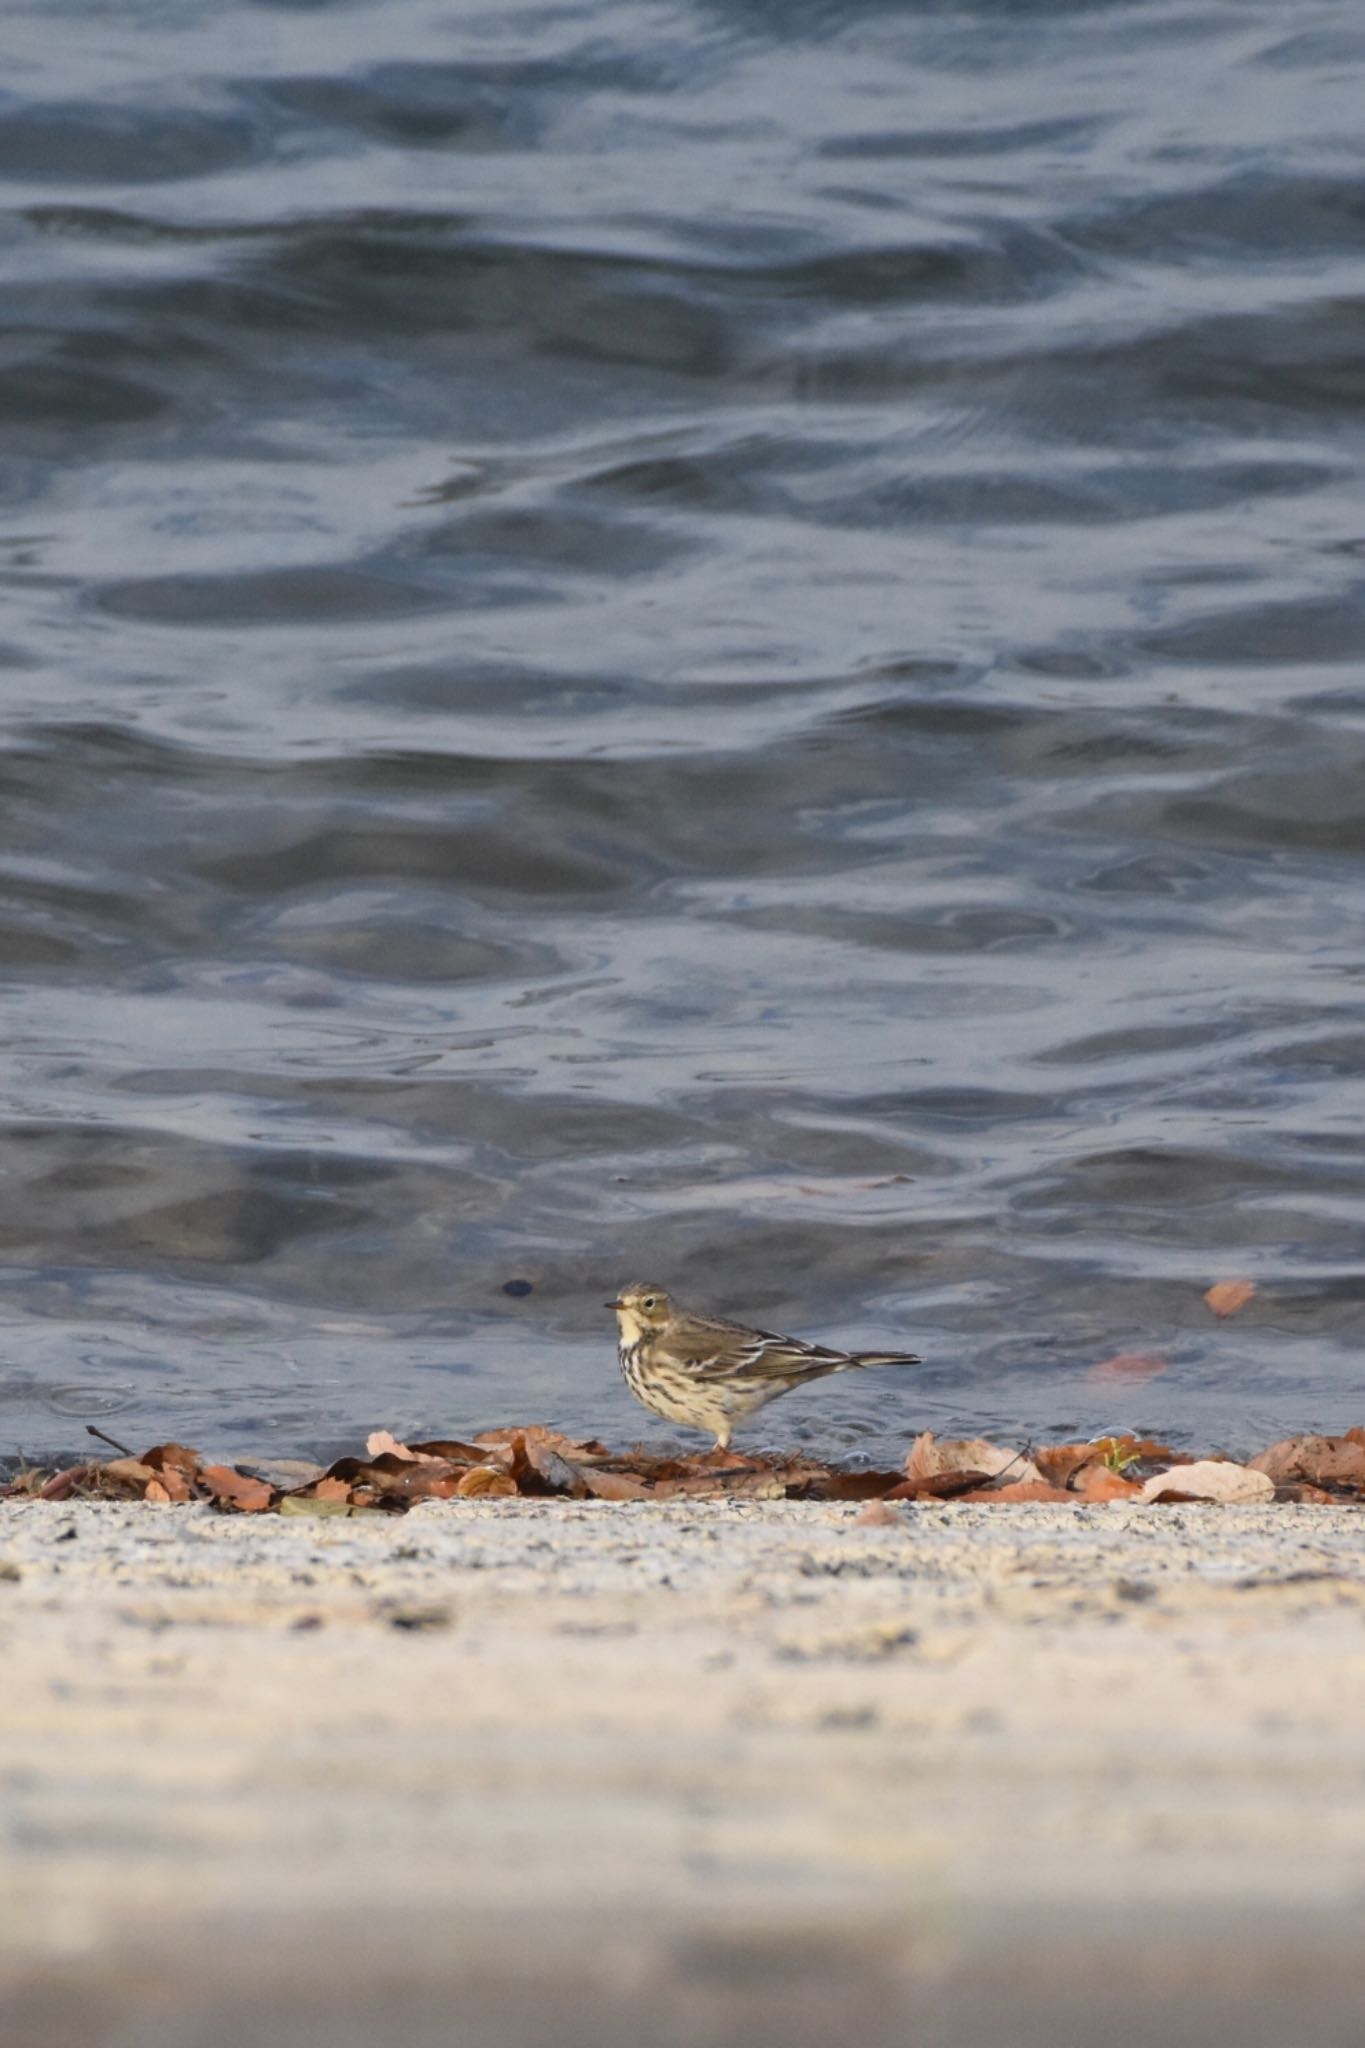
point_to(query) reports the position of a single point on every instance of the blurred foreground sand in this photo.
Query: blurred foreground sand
(545, 1773)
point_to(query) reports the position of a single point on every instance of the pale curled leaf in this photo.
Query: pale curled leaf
(1210, 1479)
(929, 1457)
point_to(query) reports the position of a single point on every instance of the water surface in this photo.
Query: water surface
(720, 643)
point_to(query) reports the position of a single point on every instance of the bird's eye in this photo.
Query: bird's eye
(650, 1301)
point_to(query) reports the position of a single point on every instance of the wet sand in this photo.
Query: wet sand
(535, 1773)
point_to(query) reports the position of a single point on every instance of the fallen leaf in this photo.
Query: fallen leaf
(578, 1451)
(306, 1504)
(484, 1482)
(1097, 1484)
(834, 1485)
(395, 1477)
(380, 1443)
(165, 1458)
(1129, 1365)
(1209, 1479)
(452, 1450)
(928, 1457)
(1058, 1462)
(157, 1494)
(63, 1484)
(1227, 1296)
(555, 1472)
(235, 1490)
(616, 1486)
(126, 1472)
(938, 1486)
(1323, 1461)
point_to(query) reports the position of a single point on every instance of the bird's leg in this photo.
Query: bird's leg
(722, 1457)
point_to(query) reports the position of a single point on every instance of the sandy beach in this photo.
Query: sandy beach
(543, 1772)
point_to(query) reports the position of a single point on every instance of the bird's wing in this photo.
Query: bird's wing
(761, 1354)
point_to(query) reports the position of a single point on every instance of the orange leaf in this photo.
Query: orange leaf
(1097, 1483)
(173, 1457)
(616, 1486)
(1059, 1463)
(938, 1486)
(1129, 1365)
(1229, 1295)
(234, 1490)
(157, 1494)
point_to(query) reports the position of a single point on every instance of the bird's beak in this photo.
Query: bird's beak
(613, 1304)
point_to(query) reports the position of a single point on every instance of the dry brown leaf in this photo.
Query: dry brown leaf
(553, 1472)
(63, 1484)
(165, 1458)
(615, 1485)
(394, 1477)
(836, 1485)
(327, 1489)
(1227, 1296)
(1098, 1484)
(235, 1490)
(1127, 1366)
(484, 1482)
(1058, 1463)
(938, 1486)
(157, 1494)
(428, 1479)
(129, 1472)
(579, 1451)
(1323, 1461)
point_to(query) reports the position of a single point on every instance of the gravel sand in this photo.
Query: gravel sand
(681, 1773)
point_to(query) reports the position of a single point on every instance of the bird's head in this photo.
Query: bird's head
(641, 1309)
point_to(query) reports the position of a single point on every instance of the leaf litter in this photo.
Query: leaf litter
(535, 1462)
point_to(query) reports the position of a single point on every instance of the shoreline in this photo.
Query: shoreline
(620, 1735)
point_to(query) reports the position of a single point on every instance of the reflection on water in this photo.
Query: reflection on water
(726, 645)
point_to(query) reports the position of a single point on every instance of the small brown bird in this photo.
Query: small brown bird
(707, 1373)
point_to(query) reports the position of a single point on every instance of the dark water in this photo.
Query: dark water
(713, 642)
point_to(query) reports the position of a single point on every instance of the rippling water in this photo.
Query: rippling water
(720, 642)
